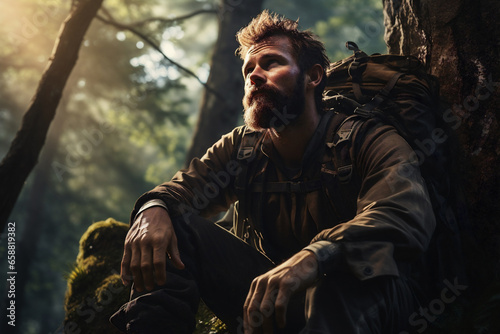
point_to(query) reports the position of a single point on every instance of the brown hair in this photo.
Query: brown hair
(309, 50)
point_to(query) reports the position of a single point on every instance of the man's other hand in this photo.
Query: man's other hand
(147, 244)
(270, 293)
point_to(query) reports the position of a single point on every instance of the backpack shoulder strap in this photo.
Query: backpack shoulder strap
(339, 140)
(337, 169)
(247, 152)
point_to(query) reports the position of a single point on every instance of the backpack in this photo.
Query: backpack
(395, 90)
(398, 91)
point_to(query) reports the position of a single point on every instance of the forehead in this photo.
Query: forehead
(272, 45)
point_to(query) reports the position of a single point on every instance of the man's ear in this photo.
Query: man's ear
(314, 76)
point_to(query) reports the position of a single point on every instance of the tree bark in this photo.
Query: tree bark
(459, 41)
(219, 111)
(26, 146)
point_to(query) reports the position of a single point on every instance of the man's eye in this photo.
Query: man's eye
(272, 62)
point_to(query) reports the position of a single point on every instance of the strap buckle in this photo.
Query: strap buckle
(245, 152)
(295, 187)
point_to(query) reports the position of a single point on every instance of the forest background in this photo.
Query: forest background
(127, 117)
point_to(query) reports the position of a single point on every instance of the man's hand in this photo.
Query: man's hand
(270, 293)
(147, 243)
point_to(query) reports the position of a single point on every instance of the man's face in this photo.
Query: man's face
(274, 85)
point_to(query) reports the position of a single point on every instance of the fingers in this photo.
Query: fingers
(174, 253)
(136, 268)
(252, 317)
(146, 269)
(281, 304)
(267, 309)
(270, 293)
(259, 307)
(146, 265)
(145, 251)
(160, 274)
(125, 273)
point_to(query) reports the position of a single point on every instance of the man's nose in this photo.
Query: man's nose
(257, 77)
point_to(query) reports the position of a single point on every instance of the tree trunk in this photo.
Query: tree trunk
(26, 146)
(28, 243)
(459, 41)
(220, 110)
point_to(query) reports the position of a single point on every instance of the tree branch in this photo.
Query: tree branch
(174, 19)
(155, 46)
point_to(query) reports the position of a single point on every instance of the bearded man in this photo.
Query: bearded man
(302, 261)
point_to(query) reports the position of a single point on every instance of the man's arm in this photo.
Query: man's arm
(394, 219)
(205, 188)
(394, 222)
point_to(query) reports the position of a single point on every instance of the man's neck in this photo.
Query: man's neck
(291, 142)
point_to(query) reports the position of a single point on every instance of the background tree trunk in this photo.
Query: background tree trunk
(26, 146)
(36, 204)
(459, 41)
(219, 112)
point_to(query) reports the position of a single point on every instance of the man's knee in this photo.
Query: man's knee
(344, 304)
(167, 309)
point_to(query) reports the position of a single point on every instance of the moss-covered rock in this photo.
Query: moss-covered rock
(95, 290)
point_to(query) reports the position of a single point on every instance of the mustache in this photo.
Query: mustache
(262, 90)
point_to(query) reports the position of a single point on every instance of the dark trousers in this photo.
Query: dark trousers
(220, 268)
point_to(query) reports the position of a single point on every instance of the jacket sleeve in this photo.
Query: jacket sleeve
(206, 187)
(394, 219)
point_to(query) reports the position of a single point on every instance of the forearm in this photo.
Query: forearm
(394, 219)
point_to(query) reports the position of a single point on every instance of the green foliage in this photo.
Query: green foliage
(207, 322)
(339, 21)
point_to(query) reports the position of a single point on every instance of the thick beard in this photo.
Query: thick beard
(261, 108)
(267, 108)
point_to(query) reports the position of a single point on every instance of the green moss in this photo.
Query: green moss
(103, 239)
(207, 322)
(95, 290)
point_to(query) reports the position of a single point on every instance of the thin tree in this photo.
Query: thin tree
(36, 206)
(26, 147)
